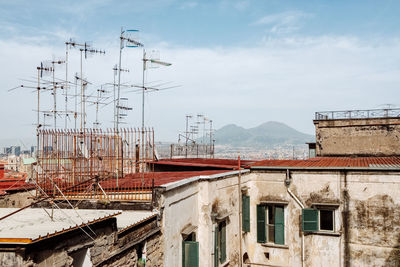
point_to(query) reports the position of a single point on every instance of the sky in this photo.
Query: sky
(240, 61)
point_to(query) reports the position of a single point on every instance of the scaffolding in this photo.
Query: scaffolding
(95, 164)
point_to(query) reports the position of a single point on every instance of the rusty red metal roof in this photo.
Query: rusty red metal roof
(160, 178)
(362, 162)
(231, 164)
(9, 184)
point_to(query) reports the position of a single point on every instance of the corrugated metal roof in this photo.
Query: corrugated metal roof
(30, 225)
(230, 164)
(364, 162)
(128, 219)
(160, 178)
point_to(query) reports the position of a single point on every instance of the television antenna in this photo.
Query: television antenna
(127, 39)
(115, 71)
(152, 61)
(87, 50)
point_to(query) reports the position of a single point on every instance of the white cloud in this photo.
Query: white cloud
(282, 79)
(284, 22)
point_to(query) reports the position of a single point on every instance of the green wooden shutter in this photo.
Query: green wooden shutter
(260, 224)
(279, 226)
(223, 243)
(216, 247)
(190, 254)
(310, 220)
(246, 213)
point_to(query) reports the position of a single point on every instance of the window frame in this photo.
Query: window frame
(273, 205)
(327, 208)
(333, 207)
(220, 261)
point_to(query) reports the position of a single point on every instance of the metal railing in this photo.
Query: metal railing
(358, 114)
(95, 164)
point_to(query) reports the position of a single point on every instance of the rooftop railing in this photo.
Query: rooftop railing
(358, 114)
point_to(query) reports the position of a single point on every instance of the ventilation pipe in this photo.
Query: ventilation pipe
(288, 180)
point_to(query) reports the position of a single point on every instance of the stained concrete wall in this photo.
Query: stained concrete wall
(198, 206)
(372, 137)
(367, 218)
(107, 248)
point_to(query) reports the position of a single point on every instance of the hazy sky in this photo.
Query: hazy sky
(242, 62)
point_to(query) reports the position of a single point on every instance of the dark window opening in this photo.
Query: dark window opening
(326, 220)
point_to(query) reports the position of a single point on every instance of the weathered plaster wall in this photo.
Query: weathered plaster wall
(17, 200)
(180, 211)
(374, 205)
(10, 259)
(358, 137)
(192, 206)
(367, 234)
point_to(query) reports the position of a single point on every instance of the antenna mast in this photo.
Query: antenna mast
(125, 40)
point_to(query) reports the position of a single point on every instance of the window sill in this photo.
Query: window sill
(271, 245)
(226, 263)
(324, 233)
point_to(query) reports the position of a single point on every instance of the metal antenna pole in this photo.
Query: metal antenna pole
(76, 101)
(119, 76)
(114, 103)
(81, 95)
(55, 98)
(143, 88)
(38, 100)
(66, 84)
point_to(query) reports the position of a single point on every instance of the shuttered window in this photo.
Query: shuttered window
(190, 254)
(279, 226)
(310, 220)
(260, 223)
(246, 213)
(222, 242)
(270, 224)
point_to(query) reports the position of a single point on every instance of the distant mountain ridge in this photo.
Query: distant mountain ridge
(268, 134)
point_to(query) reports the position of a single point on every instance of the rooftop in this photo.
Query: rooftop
(34, 224)
(231, 164)
(163, 178)
(358, 114)
(318, 162)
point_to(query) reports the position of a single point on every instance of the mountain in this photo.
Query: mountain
(268, 134)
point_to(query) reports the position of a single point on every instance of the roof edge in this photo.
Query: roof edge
(326, 168)
(174, 185)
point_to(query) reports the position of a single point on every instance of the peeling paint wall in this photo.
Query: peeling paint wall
(194, 206)
(358, 137)
(369, 235)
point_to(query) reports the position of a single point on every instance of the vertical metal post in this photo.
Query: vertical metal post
(55, 99)
(114, 100)
(76, 101)
(143, 88)
(119, 76)
(81, 94)
(66, 86)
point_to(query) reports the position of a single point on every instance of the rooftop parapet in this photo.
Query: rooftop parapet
(358, 114)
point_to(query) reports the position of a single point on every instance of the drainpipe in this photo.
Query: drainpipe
(287, 182)
(240, 214)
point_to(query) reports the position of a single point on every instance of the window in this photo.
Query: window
(271, 224)
(220, 243)
(320, 219)
(190, 251)
(245, 213)
(326, 220)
